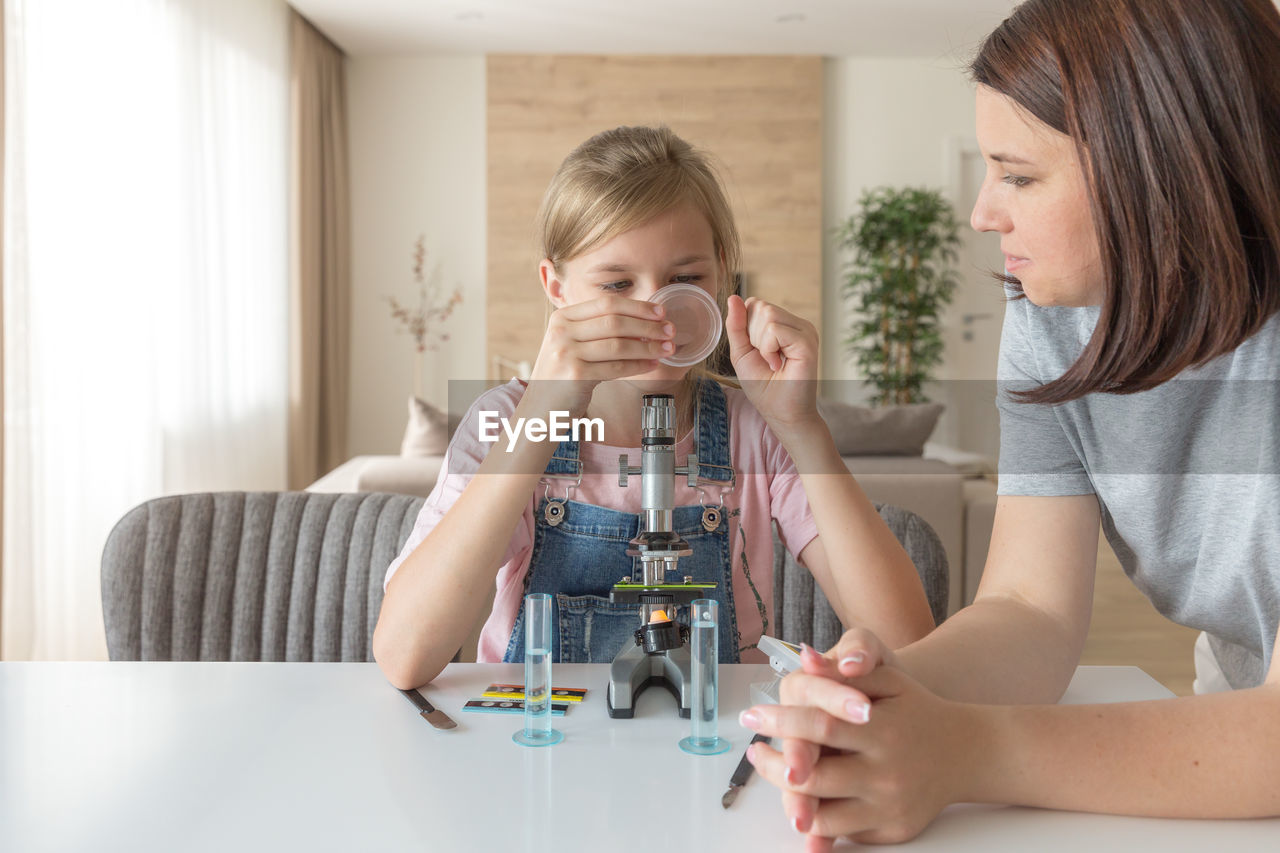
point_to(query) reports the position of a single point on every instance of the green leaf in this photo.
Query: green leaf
(901, 243)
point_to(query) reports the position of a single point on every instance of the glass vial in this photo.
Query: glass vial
(704, 653)
(537, 729)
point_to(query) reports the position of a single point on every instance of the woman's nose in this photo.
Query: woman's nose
(985, 216)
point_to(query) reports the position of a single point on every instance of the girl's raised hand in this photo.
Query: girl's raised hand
(775, 354)
(587, 343)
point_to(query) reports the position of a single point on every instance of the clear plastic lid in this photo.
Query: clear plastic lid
(697, 319)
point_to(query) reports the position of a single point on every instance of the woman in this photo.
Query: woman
(1133, 151)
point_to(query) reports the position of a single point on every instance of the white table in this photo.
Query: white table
(311, 757)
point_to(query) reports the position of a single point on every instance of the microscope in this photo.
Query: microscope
(659, 654)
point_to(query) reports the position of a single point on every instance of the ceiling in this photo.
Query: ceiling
(947, 29)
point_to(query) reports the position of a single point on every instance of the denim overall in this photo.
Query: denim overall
(579, 551)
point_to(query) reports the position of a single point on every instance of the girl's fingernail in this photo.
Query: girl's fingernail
(749, 720)
(657, 310)
(794, 777)
(667, 346)
(858, 712)
(751, 753)
(801, 825)
(668, 329)
(853, 659)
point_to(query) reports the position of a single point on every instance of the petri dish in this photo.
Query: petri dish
(697, 319)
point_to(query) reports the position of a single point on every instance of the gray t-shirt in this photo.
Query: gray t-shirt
(1187, 475)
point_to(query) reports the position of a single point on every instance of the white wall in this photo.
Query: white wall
(888, 123)
(417, 131)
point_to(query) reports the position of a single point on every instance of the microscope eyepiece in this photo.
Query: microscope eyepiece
(659, 416)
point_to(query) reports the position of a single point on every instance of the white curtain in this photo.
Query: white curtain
(145, 282)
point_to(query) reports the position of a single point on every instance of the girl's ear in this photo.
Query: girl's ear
(551, 283)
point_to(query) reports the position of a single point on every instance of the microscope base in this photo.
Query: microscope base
(633, 670)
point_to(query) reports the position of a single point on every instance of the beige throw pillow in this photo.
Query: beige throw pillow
(428, 431)
(880, 430)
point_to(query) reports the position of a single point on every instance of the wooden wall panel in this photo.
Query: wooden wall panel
(761, 118)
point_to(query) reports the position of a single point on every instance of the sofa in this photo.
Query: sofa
(951, 490)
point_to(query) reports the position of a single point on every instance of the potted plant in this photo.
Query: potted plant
(900, 277)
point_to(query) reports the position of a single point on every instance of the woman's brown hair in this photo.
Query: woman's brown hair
(1174, 106)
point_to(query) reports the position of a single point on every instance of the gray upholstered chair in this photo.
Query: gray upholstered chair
(258, 576)
(801, 610)
(297, 576)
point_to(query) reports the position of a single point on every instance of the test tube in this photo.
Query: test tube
(704, 619)
(537, 729)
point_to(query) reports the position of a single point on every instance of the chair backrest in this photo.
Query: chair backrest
(801, 610)
(297, 576)
(251, 576)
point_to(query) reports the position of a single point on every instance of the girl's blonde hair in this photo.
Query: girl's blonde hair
(622, 178)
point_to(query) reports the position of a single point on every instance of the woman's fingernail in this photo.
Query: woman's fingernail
(657, 310)
(667, 346)
(858, 712)
(751, 753)
(853, 659)
(749, 720)
(801, 824)
(794, 777)
(668, 329)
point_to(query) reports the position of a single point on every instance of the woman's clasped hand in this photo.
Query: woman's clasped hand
(866, 751)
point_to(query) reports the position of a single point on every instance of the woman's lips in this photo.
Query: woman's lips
(1013, 263)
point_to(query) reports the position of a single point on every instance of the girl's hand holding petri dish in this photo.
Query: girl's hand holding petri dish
(608, 337)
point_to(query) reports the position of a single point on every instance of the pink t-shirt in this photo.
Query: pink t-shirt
(768, 489)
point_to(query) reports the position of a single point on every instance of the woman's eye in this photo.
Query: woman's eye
(1016, 180)
(615, 286)
(687, 278)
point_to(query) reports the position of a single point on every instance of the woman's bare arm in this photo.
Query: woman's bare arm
(1022, 637)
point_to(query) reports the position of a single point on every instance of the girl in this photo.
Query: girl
(630, 211)
(1134, 181)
